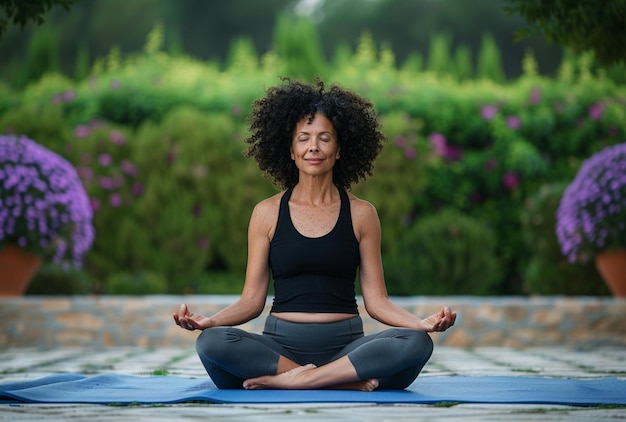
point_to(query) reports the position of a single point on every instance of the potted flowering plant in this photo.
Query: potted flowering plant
(44, 212)
(591, 217)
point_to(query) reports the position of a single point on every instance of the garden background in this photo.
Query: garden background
(148, 99)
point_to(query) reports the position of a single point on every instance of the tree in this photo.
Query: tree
(489, 65)
(463, 67)
(20, 12)
(439, 60)
(580, 25)
(408, 25)
(42, 55)
(297, 44)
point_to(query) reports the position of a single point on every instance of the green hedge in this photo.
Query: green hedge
(548, 271)
(158, 142)
(445, 253)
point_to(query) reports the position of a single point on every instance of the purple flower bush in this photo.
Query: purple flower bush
(43, 206)
(591, 216)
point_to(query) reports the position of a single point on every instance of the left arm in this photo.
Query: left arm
(373, 288)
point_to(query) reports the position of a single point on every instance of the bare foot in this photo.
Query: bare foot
(367, 385)
(303, 378)
(294, 379)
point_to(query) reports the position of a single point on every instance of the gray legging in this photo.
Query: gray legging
(394, 356)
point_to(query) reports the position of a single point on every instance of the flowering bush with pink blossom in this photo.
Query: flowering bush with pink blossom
(156, 143)
(592, 213)
(104, 165)
(43, 206)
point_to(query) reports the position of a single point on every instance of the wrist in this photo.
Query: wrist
(209, 323)
(421, 325)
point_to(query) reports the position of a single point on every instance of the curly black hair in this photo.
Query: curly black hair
(274, 117)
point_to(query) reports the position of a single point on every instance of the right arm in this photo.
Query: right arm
(254, 294)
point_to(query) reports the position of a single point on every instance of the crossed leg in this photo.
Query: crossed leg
(339, 374)
(223, 352)
(410, 349)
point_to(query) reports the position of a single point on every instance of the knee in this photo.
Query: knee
(427, 344)
(421, 344)
(210, 343)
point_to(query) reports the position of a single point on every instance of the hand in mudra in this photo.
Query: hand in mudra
(440, 321)
(190, 321)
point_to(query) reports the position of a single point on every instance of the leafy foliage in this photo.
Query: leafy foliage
(445, 253)
(141, 283)
(157, 141)
(21, 12)
(297, 42)
(548, 271)
(488, 65)
(54, 279)
(577, 24)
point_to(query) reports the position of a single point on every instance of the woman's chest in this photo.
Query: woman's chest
(314, 222)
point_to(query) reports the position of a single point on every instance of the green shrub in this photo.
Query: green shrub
(397, 177)
(8, 99)
(184, 214)
(439, 60)
(219, 282)
(57, 280)
(174, 218)
(489, 64)
(38, 112)
(442, 254)
(133, 105)
(46, 124)
(548, 271)
(463, 67)
(101, 154)
(140, 283)
(298, 43)
(198, 193)
(42, 55)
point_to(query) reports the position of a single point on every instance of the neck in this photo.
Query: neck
(315, 192)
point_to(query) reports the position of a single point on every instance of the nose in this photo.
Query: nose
(313, 146)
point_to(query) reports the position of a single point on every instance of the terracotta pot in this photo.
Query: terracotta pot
(612, 267)
(17, 268)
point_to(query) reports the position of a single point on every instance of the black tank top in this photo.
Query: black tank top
(314, 274)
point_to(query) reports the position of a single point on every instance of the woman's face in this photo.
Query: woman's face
(314, 146)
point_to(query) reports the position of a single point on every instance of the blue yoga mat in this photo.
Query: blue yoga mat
(127, 389)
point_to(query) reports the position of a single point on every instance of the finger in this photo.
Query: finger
(183, 310)
(450, 317)
(184, 322)
(181, 322)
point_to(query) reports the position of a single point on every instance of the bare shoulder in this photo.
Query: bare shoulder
(265, 214)
(361, 207)
(364, 215)
(268, 205)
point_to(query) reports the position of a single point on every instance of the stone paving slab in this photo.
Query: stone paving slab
(29, 363)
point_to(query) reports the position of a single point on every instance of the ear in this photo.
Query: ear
(337, 155)
(293, 157)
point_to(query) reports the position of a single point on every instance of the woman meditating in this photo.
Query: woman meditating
(313, 239)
